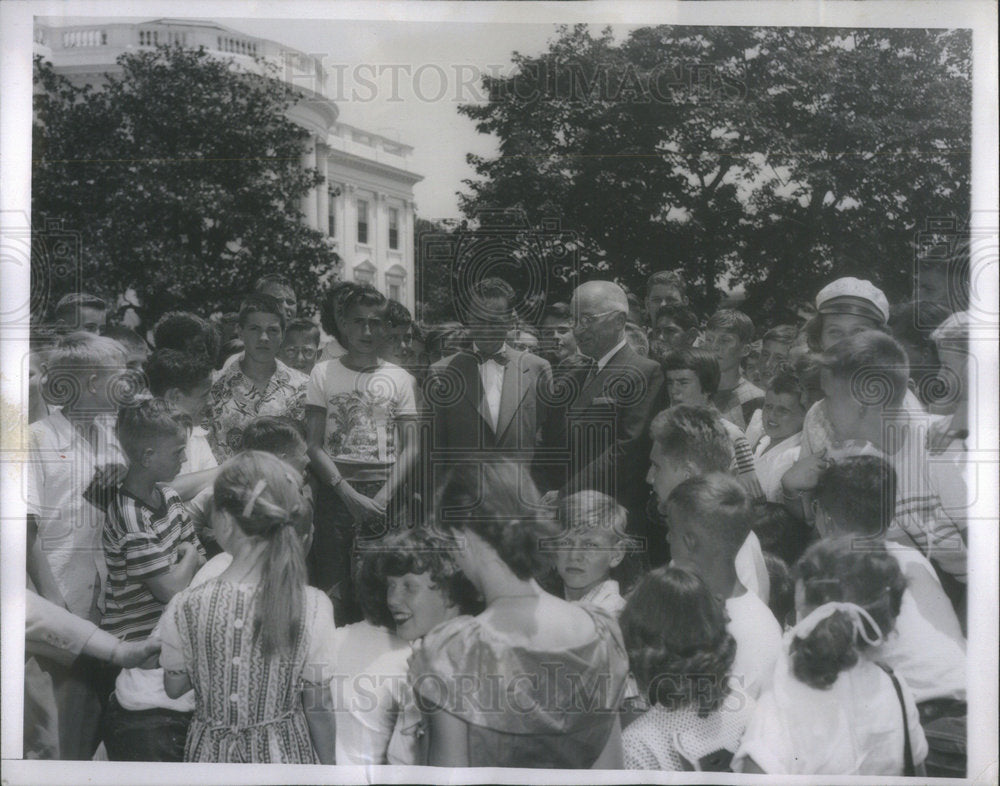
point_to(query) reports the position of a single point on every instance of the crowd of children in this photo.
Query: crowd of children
(258, 537)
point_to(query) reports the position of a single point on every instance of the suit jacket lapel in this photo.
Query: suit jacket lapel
(469, 369)
(515, 385)
(595, 385)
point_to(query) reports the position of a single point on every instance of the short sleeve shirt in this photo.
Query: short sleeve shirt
(67, 496)
(362, 410)
(139, 543)
(235, 401)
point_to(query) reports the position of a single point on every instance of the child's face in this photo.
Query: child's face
(164, 459)
(92, 320)
(727, 348)
(285, 296)
(837, 327)
(262, 336)
(364, 329)
(586, 556)
(683, 387)
(194, 401)
(106, 386)
(782, 415)
(665, 474)
(771, 354)
(417, 605)
(300, 350)
(671, 335)
(298, 458)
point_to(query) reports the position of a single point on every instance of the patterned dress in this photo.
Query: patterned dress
(248, 708)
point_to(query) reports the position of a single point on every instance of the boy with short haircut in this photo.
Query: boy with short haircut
(689, 442)
(774, 348)
(664, 288)
(399, 324)
(865, 378)
(691, 377)
(278, 287)
(81, 311)
(135, 346)
(187, 332)
(708, 518)
(591, 548)
(728, 334)
(857, 496)
(184, 382)
(301, 346)
(149, 542)
(674, 328)
(256, 383)
(74, 464)
(360, 422)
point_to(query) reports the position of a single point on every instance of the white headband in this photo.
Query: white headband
(857, 614)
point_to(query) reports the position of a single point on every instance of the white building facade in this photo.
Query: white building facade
(365, 207)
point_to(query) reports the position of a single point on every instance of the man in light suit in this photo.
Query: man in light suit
(490, 402)
(613, 401)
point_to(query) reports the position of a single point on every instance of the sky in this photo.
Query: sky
(405, 80)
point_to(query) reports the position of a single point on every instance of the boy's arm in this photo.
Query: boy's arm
(323, 466)
(408, 433)
(39, 570)
(187, 486)
(933, 603)
(168, 583)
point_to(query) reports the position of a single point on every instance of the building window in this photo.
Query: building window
(362, 221)
(395, 292)
(393, 229)
(365, 273)
(395, 281)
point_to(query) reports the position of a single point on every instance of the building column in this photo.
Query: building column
(323, 192)
(309, 200)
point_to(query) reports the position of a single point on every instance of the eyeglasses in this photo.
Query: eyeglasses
(307, 353)
(589, 319)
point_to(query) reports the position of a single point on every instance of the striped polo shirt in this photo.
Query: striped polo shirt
(140, 542)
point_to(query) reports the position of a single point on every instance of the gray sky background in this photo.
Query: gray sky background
(405, 80)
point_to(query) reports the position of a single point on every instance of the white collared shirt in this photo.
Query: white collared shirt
(610, 354)
(491, 376)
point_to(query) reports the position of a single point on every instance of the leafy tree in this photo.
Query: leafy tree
(774, 157)
(183, 175)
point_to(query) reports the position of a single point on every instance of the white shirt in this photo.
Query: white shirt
(751, 569)
(61, 467)
(853, 728)
(491, 375)
(931, 662)
(368, 690)
(610, 354)
(142, 689)
(199, 454)
(606, 596)
(771, 465)
(758, 643)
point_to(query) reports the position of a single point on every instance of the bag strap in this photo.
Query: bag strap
(909, 770)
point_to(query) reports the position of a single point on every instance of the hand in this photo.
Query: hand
(382, 498)
(550, 498)
(358, 505)
(137, 654)
(186, 548)
(804, 473)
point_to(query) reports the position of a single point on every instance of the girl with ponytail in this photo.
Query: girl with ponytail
(681, 655)
(253, 642)
(834, 707)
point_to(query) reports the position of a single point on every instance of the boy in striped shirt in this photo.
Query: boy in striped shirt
(150, 545)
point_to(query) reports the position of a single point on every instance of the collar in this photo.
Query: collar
(610, 354)
(504, 351)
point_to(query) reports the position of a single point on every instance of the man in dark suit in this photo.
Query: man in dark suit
(490, 402)
(610, 407)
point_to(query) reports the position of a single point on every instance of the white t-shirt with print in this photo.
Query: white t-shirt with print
(362, 411)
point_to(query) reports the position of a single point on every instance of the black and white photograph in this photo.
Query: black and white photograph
(499, 392)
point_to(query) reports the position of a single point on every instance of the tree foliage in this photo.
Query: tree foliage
(183, 176)
(772, 157)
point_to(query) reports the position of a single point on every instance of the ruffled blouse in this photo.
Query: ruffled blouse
(524, 707)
